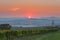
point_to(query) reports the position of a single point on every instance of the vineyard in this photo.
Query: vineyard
(11, 34)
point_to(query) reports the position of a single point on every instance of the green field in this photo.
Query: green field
(34, 34)
(48, 36)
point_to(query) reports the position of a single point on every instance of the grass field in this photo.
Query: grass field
(48, 36)
(35, 34)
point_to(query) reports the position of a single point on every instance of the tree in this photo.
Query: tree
(5, 26)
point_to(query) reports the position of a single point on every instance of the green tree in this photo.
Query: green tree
(5, 26)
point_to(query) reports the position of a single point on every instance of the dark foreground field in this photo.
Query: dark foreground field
(35, 34)
(48, 36)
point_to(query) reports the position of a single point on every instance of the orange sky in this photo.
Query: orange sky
(25, 8)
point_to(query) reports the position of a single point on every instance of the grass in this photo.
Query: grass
(49, 36)
(35, 34)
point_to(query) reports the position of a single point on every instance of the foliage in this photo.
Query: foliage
(10, 34)
(5, 26)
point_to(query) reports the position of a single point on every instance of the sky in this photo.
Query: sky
(29, 8)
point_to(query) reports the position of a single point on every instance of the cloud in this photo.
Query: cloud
(14, 9)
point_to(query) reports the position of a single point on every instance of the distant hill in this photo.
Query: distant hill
(32, 21)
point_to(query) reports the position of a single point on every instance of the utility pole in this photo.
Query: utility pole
(53, 24)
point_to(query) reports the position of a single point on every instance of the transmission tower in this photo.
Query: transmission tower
(53, 23)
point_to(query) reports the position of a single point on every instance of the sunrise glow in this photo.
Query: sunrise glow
(29, 17)
(29, 8)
